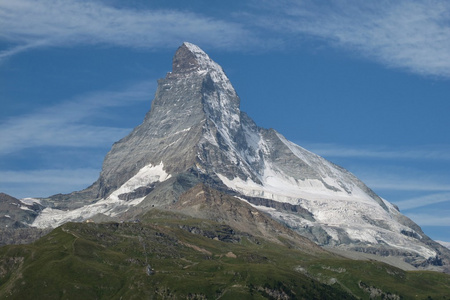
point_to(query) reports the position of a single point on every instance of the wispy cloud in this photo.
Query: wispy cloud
(424, 152)
(54, 176)
(406, 182)
(68, 123)
(386, 174)
(430, 219)
(423, 201)
(31, 24)
(43, 183)
(411, 35)
(389, 177)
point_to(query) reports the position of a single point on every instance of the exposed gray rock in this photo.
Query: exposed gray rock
(376, 293)
(281, 206)
(137, 193)
(16, 214)
(22, 235)
(15, 219)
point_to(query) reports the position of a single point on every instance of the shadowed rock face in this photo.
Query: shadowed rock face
(195, 130)
(184, 62)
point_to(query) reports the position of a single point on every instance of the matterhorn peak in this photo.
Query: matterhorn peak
(196, 133)
(219, 99)
(190, 58)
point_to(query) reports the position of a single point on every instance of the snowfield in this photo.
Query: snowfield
(110, 206)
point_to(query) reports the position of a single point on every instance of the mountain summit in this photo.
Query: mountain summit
(196, 134)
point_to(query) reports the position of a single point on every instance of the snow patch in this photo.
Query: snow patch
(336, 201)
(110, 206)
(145, 176)
(25, 208)
(30, 201)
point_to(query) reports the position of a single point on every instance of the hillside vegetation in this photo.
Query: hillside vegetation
(171, 256)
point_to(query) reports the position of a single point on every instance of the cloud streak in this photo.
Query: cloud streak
(385, 175)
(428, 152)
(42, 183)
(430, 219)
(390, 177)
(53, 176)
(30, 24)
(402, 183)
(423, 201)
(67, 123)
(410, 35)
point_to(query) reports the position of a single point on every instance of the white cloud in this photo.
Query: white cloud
(388, 168)
(423, 201)
(18, 49)
(32, 24)
(54, 176)
(388, 177)
(40, 23)
(67, 123)
(430, 219)
(411, 35)
(43, 183)
(403, 183)
(424, 152)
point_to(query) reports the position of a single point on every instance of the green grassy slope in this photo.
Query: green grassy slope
(168, 256)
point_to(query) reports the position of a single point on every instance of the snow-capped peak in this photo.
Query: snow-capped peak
(202, 58)
(189, 59)
(205, 63)
(220, 100)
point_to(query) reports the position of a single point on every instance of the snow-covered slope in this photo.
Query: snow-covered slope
(445, 244)
(267, 165)
(111, 206)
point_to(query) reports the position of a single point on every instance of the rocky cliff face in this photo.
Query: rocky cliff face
(15, 218)
(196, 133)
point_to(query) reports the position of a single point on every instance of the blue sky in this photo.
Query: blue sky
(365, 84)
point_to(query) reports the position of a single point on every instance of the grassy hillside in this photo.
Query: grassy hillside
(169, 256)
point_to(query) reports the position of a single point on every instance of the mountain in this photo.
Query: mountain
(15, 218)
(445, 244)
(15, 213)
(196, 134)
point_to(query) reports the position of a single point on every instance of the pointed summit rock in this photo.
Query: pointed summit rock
(195, 133)
(193, 103)
(190, 104)
(190, 58)
(185, 61)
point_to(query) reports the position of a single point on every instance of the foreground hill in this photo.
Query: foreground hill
(167, 255)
